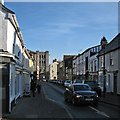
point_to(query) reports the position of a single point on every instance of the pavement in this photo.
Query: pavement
(110, 99)
(37, 107)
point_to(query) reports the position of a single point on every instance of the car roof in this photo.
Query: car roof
(89, 81)
(79, 84)
(68, 80)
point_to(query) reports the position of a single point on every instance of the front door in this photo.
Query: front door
(4, 69)
(115, 83)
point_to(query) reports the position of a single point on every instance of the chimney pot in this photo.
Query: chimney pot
(2, 1)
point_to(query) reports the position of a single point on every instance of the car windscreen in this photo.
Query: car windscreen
(79, 81)
(81, 88)
(91, 84)
(68, 81)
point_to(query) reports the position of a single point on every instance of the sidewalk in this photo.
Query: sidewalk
(110, 99)
(37, 107)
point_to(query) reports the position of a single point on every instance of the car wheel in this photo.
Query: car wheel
(73, 101)
(66, 100)
(96, 103)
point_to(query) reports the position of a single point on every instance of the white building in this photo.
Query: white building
(26, 72)
(74, 67)
(111, 53)
(85, 65)
(53, 70)
(11, 58)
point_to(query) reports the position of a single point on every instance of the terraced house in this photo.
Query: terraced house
(14, 60)
(109, 60)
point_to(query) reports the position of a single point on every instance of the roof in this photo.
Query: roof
(113, 45)
(89, 49)
(6, 9)
(68, 56)
(79, 84)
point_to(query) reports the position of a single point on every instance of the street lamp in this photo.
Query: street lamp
(104, 43)
(104, 80)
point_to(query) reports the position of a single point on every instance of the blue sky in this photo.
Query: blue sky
(63, 27)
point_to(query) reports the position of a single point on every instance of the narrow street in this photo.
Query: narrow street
(50, 104)
(55, 93)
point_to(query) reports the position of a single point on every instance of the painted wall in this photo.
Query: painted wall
(3, 30)
(53, 70)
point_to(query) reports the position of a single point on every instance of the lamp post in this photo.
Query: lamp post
(104, 43)
(104, 80)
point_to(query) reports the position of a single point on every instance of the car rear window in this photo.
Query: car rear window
(81, 87)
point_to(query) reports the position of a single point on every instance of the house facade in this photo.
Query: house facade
(41, 64)
(110, 58)
(53, 70)
(68, 66)
(11, 59)
(74, 76)
(85, 65)
(60, 71)
(27, 71)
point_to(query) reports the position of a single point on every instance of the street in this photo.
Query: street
(50, 104)
(55, 94)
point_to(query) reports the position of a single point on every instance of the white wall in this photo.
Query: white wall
(110, 71)
(12, 84)
(10, 36)
(3, 30)
(53, 67)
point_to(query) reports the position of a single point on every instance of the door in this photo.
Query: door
(4, 69)
(109, 84)
(115, 83)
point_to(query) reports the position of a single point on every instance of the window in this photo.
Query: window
(102, 61)
(91, 66)
(111, 59)
(95, 66)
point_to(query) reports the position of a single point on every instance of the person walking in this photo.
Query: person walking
(33, 87)
(38, 87)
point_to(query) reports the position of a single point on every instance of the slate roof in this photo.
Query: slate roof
(6, 9)
(113, 45)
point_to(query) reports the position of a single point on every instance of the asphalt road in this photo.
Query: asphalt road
(55, 93)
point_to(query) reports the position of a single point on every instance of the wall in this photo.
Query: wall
(53, 70)
(3, 30)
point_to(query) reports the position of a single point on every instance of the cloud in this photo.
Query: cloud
(63, 27)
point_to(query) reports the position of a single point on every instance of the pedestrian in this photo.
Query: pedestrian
(38, 88)
(33, 87)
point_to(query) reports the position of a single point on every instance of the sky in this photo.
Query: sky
(65, 28)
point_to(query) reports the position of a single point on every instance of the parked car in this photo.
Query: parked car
(61, 82)
(80, 93)
(77, 81)
(53, 81)
(94, 86)
(67, 83)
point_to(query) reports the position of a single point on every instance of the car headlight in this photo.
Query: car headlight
(96, 95)
(79, 96)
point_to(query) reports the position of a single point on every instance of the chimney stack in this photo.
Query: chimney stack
(2, 1)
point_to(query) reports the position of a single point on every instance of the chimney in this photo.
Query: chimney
(2, 1)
